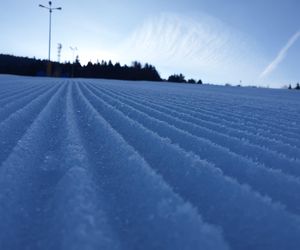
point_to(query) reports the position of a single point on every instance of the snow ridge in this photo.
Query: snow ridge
(98, 164)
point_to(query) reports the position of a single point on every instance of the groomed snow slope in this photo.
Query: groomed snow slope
(98, 164)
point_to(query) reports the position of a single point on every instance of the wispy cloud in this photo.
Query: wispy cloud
(198, 44)
(280, 56)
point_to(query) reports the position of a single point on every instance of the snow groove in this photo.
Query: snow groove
(190, 175)
(227, 106)
(160, 210)
(10, 108)
(98, 164)
(17, 123)
(82, 222)
(11, 98)
(18, 180)
(259, 177)
(213, 123)
(242, 147)
(228, 118)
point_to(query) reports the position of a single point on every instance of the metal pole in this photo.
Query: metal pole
(50, 20)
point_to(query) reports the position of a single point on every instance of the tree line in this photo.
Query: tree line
(35, 67)
(297, 86)
(181, 79)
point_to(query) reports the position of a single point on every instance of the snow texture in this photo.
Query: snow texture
(99, 164)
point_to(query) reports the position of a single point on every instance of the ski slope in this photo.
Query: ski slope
(99, 164)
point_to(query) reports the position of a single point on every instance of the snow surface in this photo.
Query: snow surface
(98, 164)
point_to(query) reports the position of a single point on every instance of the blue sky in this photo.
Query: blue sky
(219, 41)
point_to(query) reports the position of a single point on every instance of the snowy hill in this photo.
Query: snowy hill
(98, 164)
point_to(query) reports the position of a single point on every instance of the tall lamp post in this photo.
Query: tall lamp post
(50, 8)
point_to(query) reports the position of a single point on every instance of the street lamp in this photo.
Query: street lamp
(50, 13)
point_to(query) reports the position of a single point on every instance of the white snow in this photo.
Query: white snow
(102, 164)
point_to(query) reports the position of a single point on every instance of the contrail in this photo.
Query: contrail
(281, 55)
